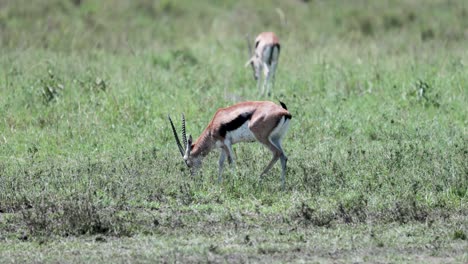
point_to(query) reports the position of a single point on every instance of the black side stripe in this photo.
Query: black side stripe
(235, 123)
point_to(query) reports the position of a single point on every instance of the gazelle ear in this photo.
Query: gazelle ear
(189, 143)
(249, 62)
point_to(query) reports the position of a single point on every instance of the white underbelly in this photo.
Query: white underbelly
(241, 134)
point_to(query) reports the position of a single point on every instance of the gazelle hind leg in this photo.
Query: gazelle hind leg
(222, 158)
(271, 137)
(271, 77)
(277, 154)
(284, 161)
(283, 158)
(270, 165)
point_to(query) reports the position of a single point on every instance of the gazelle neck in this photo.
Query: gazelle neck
(203, 145)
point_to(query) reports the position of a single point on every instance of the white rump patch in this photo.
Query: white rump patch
(270, 55)
(281, 129)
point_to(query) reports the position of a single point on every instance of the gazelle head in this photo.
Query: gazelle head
(253, 61)
(192, 161)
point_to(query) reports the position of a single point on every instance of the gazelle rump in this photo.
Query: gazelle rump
(262, 121)
(264, 58)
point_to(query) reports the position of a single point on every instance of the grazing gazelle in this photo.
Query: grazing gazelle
(251, 121)
(265, 58)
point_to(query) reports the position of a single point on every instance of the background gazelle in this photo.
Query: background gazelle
(262, 121)
(264, 58)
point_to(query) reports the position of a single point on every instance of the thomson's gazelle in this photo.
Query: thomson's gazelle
(262, 121)
(265, 58)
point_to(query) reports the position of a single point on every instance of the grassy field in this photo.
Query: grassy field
(378, 144)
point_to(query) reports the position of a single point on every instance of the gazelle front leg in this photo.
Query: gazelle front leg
(260, 84)
(230, 156)
(226, 150)
(222, 158)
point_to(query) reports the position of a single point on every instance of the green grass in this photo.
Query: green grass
(89, 170)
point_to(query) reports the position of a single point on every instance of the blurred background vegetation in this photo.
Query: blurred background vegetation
(125, 26)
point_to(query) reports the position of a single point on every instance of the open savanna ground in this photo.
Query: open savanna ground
(377, 147)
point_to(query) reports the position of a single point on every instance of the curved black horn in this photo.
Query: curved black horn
(176, 137)
(184, 135)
